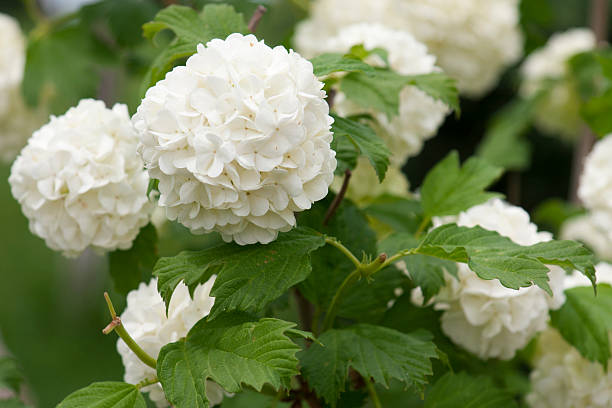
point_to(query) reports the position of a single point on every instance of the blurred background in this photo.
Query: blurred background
(52, 310)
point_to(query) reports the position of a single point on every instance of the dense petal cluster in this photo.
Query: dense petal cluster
(420, 115)
(146, 321)
(239, 139)
(474, 40)
(483, 316)
(562, 377)
(594, 229)
(80, 181)
(12, 59)
(558, 111)
(595, 189)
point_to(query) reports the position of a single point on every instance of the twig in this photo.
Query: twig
(338, 199)
(305, 310)
(331, 96)
(256, 18)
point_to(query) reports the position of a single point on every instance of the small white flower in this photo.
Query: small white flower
(595, 189)
(559, 111)
(420, 115)
(483, 316)
(474, 40)
(146, 321)
(80, 181)
(239, 139)
(12, 59)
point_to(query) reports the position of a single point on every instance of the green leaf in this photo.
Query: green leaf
(364, 141)
(64, 67)
(232, 351)
(463, 390)
(375, 352)
(129, 268)
(379, 90)
(449, 189)
(191, 29)
(105, 394)
(596, 113)
(492, 256)
(10, 375)
(503, 144)
(425, 271)
(400, 214)
(326, 64)
(439, 86)
(585, 321)
(248, 277)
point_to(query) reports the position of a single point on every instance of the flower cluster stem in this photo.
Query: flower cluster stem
(373, 394)
(116, 326)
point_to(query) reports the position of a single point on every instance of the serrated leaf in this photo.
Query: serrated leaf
(248, 277)
(364, 141)
(439, 86)
(130, 267)
(375, 352)
(426, 272)
(585, 320)
(326, 64)
(191, 29)
(463, 390)
(449, 189)
(105, 394)
(492, 256)
(380, 89)
(10, 375)
(232, 351)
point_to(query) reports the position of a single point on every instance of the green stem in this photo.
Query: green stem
(335, 243)
(117, 326)
(331, 312)
(422, 226)
(373, 394)
(34, 12)
(147, 382)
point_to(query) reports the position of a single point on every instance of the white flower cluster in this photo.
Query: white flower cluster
(483, 316)
(80, 181)
(420, 115)
(146, 321)
(559, 111)
(239, 139)
(595, 189)
(562, 377)
(12, 59)
(474, 40)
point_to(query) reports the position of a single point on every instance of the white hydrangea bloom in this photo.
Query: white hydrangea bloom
(474, 40)
(595, 189)
(559, 111)
(420, 115)
(364, 184)
(483, 316)
(16, 125)
(239, 139)
(146, 321)
(12, 59)
(80, 181)
(593, 229)
(562, 377)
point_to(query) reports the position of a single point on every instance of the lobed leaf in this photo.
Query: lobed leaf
(463, 390)
(105, 394)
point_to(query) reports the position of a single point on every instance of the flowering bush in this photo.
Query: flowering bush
(327, 271)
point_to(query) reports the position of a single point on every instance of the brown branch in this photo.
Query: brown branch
(338, 199)
(599, 25)
(256, 18)
(331, 96)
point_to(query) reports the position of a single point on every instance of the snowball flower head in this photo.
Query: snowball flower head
(145, 319)
(595, 189)
(474, 40)
(420, 115)
(483, 316)
(12, 59)
(239, 139)
(562, 377)
(80, 181)
(593, 229)
(558, 112)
